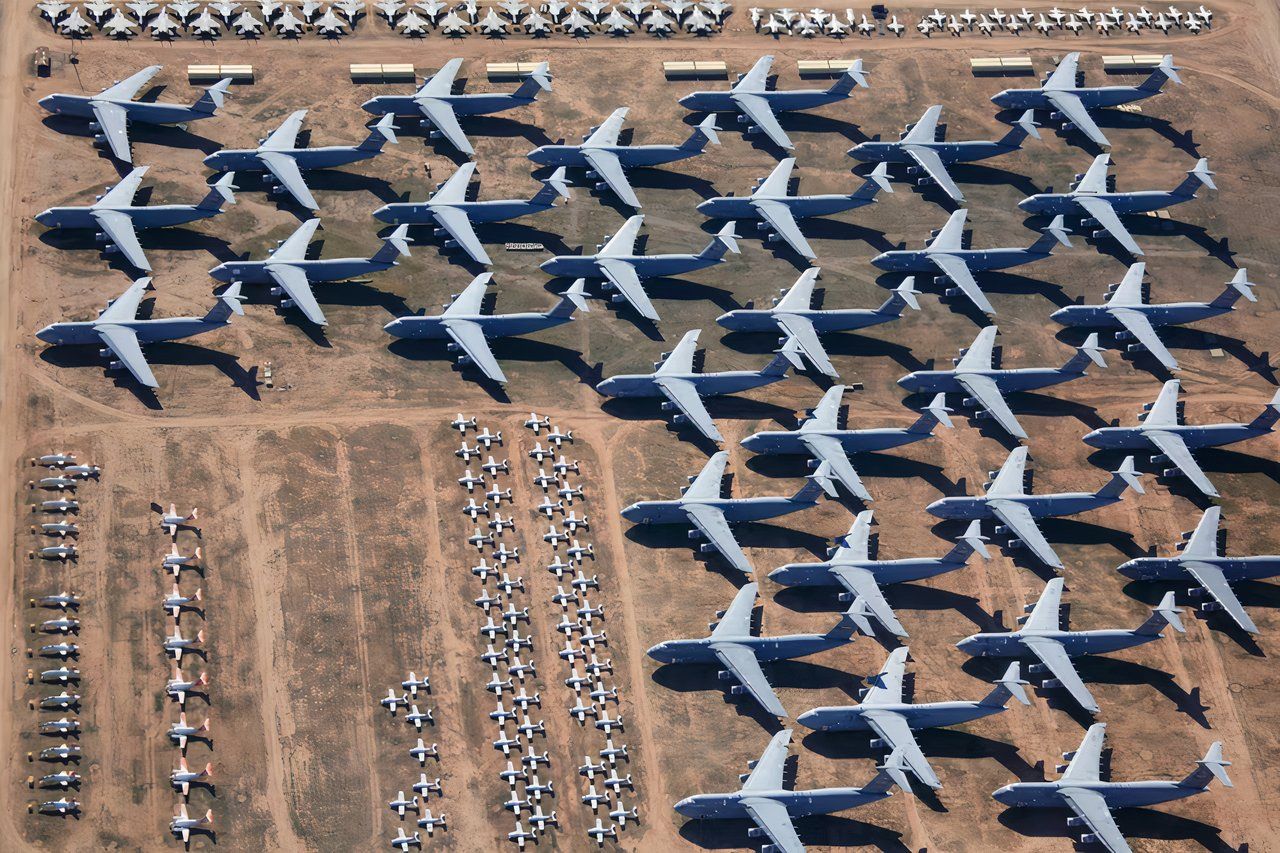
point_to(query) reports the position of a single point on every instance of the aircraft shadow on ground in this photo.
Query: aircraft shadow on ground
(1251, 593)
(158, 354)
(724, 407)
(504, 350)
(749, 535)
(1133, 823)
(868, 465)
(827, 831)
(1178, 338)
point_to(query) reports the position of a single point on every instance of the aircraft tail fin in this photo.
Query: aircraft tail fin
(228, 303)
(382, 132)
(555, 185)
(855, 76)
(539, 80)
(1022, 128)
(972, 540)
(1196, 177)
(903, 296)
(574, 299)
(852, 621)
(726, 240)
(935, 413)
(393, 246)
(813, 486)
(221, 192)
(1010, 684)
(702, 134)
(1266, 419)
(1087, 352)
(1166, 70)
(1237, 287)
(892, 772)
(1212, 766)
(782, 361)
(1056, 233)
(878, 180)
(213, 98)
(1164, 613)
(1125, 477)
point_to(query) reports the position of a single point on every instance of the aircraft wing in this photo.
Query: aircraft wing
(1064, 75)
(623, 241)
(1172, 445)
(1129, 290)
(985, 390)
(606, 133)
(780, 219)
(294, 248)
(767, 773)
(926, 158)
(680, 359)
(736, 621)
(710, 523)
(1054, 656)
(800, 329)
(454, 190)
(444, 119)
(286, 171)
(123, 343)
(293, 281)
(824, 415)
(127, 88)
(125, 306)
(1094, 179)
(826, 448)
(470, 337)
(894, 731)
(470, 300)
(609, 168)
(958, 271)
(862, 584)
(950, 236)
(441, 83)
(286, 135)
(1204, 539)
(706, 486)
(121, 195)
(458, 224)
(1011, 478)
(114, 122)
(741, 661)
(778, 181)
(926, 129)
(1137, 324)
(622, 276)
(1047, 613)
(761, 113)
(755, 79)
(1164, 411)
(980, 355)
(1091, 807)
(1021, 522)
(1086, 763)
(855, 545)
(1110, 221)
(1071, 107)
(1215, 583)
(774, 821)
(684, 397)
(119, 227)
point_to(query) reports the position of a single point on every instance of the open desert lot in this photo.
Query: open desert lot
(335, 555)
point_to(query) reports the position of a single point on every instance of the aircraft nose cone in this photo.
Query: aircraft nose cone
(393, 328)
(809, 719)
(606, 387)
(1027, 203)
(683, 806)
(46, 101)
(705, 206)
(370, 106)
(1129, 569)
(1093, 438)
(686, 100)
(968, 644)
(538, 154)
(47, 335)
(1060, 315)
(1002, 795)
(936, 507)
(1000, 98)
(383, 213)
(43, 216)
(219, 272)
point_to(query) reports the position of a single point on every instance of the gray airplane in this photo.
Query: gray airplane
(617, 263)
(777, 210)
(1091, 198)
(282, 162)
(921, 147)
(764, 801)
(1126, 311)
(1006, 499)
(117, 219)
(120, 335)
(758, 107)
(976, 375)
(732, 645)
(291, 273)
(701, 507)
(793, 316)
(894, 721)
(952, 264)
(849, 565)
(436, 104)
(1160, 429)
(112, 110)
(1081, 790)
(455, 217)
(469, 330)
(1068, 101)
(683, 388)
(1213, 573)
(1042, 638)
(603, 158)
(820, 438)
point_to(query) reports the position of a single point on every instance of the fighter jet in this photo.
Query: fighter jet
(732, 645)
(603, 158)
(182, 824)
(73, 24)
(117, 219)
(1042, 638)
(163, 26)
(468, 330)
(895, 721)
(976, 375)
(1127, 311)
(675, 379)
(792, 316)
(1160, 429)
(758, 107)
(777, 210)
(849, 565)
(121, 335)
(119, 24)
(111, 110)
(945, 254)
(436, 103)
(52, 9)
(456, 217)
(1081, 789)
(279, 157)
(764, 801)
(1006, 499)
(1073, 103)
(205, 24)
(921, 148)
(616, 22)
(575, 22)
(291, 273)
(701, 507)
(616, 261)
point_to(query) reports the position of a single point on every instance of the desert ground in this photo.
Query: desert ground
(334, 551)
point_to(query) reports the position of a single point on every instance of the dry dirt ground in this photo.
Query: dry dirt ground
(331, 531)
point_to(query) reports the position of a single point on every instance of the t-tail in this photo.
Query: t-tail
(726, 240)
(1164, 613)
(935, 413)
(539, 80)
(813, 486)
(702, 134)
(228, 303)
(555, 185)
(213, 98)
(1212, 766)
(903, 296)
(1022, 128)
(1237, 287)
(1266, 419)
(1196, 176)
(876, 181)
(892, 772)
(783, 360)
(221, 192)
(1055, 234)
(393, 246)
(972, 540)
(854, 76)
(1166, 70)
(1125, 477)
(382, 132)
(1087, 352)
(852, 621)
(1010, 684)
(573, 299)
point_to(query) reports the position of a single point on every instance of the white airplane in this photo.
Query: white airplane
(179, 686)
(389, 8)
(599, 833)
(172, 522)
(182, 824)
(429, 822)
(594, 8)
(576, 22)
(520, 836)
(391, 701)
(895, 27)
(422, 752)
(175, 602)
(225, 8)
(411, 23)
(175, 559)
(205, 24)
(120, 25)
(288, 23)
(330, 24)
(401, 804)
(184, 777)
(404, 842)
(163, 26)
(176, 644)
(99, 8)
(351, 8)
(141, 8)
(51, 9)
(246, 23)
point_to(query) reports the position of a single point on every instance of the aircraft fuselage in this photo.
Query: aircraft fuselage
(1205, 435)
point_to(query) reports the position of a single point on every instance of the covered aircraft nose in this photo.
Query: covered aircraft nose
(48, 334)
(607, 387)
(809, 719)
(1061, 315)
(969, 645)
(631, 512)
(1094, 438)
(1001, 99)
(1130, 570)
(393, 328)
(659, 653)
(751, 442)
(221, 272)
(910, 381)
(1028, 204)
(684, 805)
(384, 214)
(44, 217)
(371, 106)
(1003, 795)
(538, 155)
(47, 102)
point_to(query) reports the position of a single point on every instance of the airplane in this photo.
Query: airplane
(1161, 430)
(63, 506)
(1127, 311)
(976, 375)
(163, 26)
(182, 824)
(554, 8)
(62, 600)
(536, 24)
(390, 8)
(777, 210)
(698, 22)
(456, 217)
(171, 521)
(603, 158)
(411, 23)
(111, 110)
(404, 842)
(121, 335)
(758, 107)
(462, 424)
(176, 644)
(576, 22)
(61, 675)
(175, 602)
(1073, 103)
(60, 702)
(468, 330)
(617, 263)
(675, 379)
(615, 22)
(289, 23)
(894, 721)
(329, 23)
(849, 565)
(57, 552)
(60, 626)
(98, 9)
(246, 23)
(1081, 790)
(52, 9)
(732, 645)
(350, 8)
(657, 21)
(1006, 499)
(1042, 637)
(701, 507)
(65, 725)
(453, 24)
(291, 273)
(59, 482)
(205, 24)
(1091, 199)
(520, 836)
(439, 107)
(594, 8)
(184, 777)
(179, 686)
(119, 25)
(945, 257)
(763, 800)
(60, 807)
(63, 752)
(429, 822)
(792, 316)
(55, 460)
(73, 24)
(282, 162)
(400, 804)
(921, 148)
(717, 8)
(422, 752)
(64, 779)
(599, 832)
